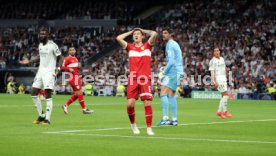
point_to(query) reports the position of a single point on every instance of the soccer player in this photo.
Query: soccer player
(139, 81)
(71, 64)
(50, 58)
(218, 78)
(170, 77)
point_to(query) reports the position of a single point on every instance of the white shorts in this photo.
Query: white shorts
(222, 87)
(45, 80)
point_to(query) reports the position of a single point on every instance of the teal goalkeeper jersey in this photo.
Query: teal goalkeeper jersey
(174, 59)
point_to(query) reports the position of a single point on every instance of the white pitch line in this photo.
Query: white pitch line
(189, 124)
(170, 138)
(58, 105)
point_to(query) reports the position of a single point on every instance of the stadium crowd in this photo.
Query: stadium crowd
(245, 35)
(60, 9)
(246, 39)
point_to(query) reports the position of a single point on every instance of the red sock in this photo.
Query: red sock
(131, 114)
(71, 100)
(81, 101)
(148, 113)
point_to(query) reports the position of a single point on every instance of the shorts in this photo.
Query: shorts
(76, 84)
(44, 80)
(170, 82)
(222, 87)
(142, 87)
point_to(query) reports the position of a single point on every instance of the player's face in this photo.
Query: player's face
(137, 36)
(216, 52)
(166, 35)
(43, 36)
(72, 51)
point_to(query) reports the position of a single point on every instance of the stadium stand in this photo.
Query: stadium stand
(243, 30)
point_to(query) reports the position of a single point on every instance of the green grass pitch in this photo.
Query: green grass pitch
(252, 130)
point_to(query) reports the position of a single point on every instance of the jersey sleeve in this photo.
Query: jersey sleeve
(56, 50)
(211, 65)
(147, 45)
(128, 47)
(170, 58)
(64, 65)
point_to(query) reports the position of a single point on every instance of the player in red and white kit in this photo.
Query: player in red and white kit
(71, 64)
(139, 81)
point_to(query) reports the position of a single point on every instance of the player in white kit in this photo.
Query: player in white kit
(50, 58)
(217, 68)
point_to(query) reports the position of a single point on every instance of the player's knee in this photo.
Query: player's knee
(146, 98)
(224, 94)
(147, 102)
(130, 103)
(48, 93)
(164, 90)
(35, 91)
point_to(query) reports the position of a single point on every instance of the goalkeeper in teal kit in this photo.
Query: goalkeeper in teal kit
(170, 77)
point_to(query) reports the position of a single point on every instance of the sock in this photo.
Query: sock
(220, 105)
(173, 103)
(81, 101)
(224, 103)
(49, 107)
(148, 113)
(165, 106)
(37, 104)
(131, 114)
(71, 100)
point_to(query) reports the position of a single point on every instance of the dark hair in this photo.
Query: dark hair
(44, 29)
(138, 30)
(168, 29)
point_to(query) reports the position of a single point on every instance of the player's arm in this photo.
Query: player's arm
(170, 63)
(213, 74)
(121, 39)
(152, 34)
(213, 78)
(59, 59)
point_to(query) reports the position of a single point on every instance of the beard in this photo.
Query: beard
(43, 40)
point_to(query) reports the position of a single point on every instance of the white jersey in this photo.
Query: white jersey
(218, 66)
(48, 56)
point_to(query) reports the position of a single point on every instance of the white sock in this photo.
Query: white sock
(165, 118)
(224, 103)
(49, 107)
(220, 105)
(37, 104)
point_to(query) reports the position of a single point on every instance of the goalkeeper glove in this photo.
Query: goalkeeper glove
(161, 74)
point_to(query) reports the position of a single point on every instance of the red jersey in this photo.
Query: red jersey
(71, 62)
(139, 60)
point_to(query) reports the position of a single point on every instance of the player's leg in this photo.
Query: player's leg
(132, 96)
(49, 106)
(85, 110)
(131, 115)
(77, 87)
(73, 98)
(42, 95)
(37, 103)
(48, 82)
(222, 111)
(225, 98)
(172, 86)
(165, 101)
(146, 97)
(173, 104)
(37, 85)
